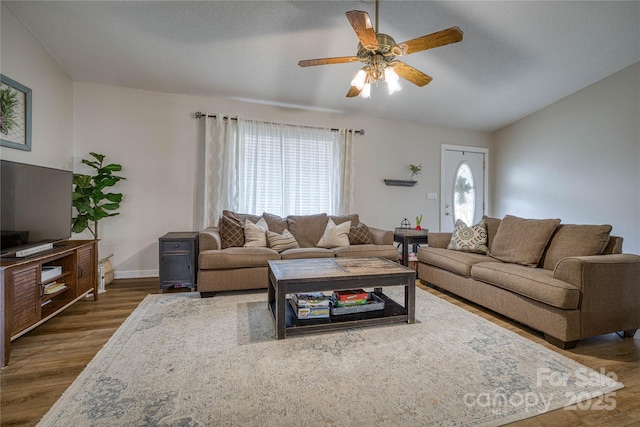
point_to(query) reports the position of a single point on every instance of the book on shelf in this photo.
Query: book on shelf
(54, 287)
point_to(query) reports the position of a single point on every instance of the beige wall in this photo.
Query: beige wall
(155, 138)
(578, 159)
(24, 60)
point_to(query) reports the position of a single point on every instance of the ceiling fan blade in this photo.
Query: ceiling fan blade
(327, 61)
(361, 24)
(440, 38)
(411, 74)
(353, 91)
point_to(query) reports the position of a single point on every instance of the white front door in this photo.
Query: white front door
(464, 185)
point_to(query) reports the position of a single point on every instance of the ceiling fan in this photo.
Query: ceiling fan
(378, 52)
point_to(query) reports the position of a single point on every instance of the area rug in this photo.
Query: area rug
(179, 360)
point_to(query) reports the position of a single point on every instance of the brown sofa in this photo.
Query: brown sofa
(224, 263)
(570, 283)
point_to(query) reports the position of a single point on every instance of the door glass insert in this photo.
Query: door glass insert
(464, 195)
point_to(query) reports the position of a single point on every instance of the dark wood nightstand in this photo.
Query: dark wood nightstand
(178, 260)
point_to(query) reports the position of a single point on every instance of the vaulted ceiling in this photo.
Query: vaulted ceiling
(516, 56)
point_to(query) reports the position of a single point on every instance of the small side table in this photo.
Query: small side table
(409, 237)
(178, 260)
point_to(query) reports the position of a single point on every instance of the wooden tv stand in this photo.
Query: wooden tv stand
(26, 303)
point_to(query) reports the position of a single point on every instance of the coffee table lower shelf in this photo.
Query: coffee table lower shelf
(392, 313)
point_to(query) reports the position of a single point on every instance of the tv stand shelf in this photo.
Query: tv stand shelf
(25, 303)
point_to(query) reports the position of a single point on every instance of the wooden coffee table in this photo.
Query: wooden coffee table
(333, 274)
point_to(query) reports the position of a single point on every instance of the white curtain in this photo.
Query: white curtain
(221, 168)
(345, 195)
(255, 167)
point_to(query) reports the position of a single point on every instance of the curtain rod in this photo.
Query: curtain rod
(200, 115)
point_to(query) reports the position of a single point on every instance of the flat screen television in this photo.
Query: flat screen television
(35, 207)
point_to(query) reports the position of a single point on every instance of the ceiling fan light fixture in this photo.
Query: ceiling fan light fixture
(392, 79)
(366, 90)
(360, 79)
(378, 52)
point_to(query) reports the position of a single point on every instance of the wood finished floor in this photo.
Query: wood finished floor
(45, 361)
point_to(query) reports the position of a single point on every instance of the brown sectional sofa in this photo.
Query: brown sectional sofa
(570, 284)
(224, 263)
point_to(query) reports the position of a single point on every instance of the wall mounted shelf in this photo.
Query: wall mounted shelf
(400, 182)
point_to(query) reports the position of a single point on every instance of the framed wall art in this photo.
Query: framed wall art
(15, 114)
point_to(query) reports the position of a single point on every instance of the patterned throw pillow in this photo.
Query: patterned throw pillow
(360, 235)
(469, 239)
(232, 228)
(231, 233)
(335, 235)
(281, 242)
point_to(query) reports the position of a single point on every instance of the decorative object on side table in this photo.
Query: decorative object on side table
(15, 114)
(405, 225)
(418, 221)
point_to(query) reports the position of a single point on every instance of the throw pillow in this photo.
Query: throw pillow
(360, 235)
(231, 233)
(255, 234)
(337, 220)
(307, 229)
(232, 228)
(522, 241)
(335, 235)
(281, 242)
(469, 239)
(575, 240)
(492, 225)
(276, 223)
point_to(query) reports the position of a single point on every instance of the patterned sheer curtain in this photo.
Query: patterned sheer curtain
(256, 167)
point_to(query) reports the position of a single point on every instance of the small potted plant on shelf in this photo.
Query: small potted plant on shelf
(90, 200)
(415, 170)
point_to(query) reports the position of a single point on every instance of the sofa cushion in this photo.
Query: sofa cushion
(232, 228)
(469, 239)
(492, 225)
(354, 218)
(226, 259)
(534, 283)
(307, 229)
(575, 240)
(281, 242)
(360, 235)
(335, 235)
(276, 223)
(303, 253)
(522, 241)
(255, 234)
(367, 251)
(453, 261)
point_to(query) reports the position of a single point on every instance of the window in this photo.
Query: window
(256, 167)
(464, 200)
(286, 170)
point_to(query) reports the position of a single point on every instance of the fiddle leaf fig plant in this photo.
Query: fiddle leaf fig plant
(91, 201)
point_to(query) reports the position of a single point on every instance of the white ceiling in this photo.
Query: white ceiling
(516, 56)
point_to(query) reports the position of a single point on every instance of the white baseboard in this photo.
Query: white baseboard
(135, 274)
